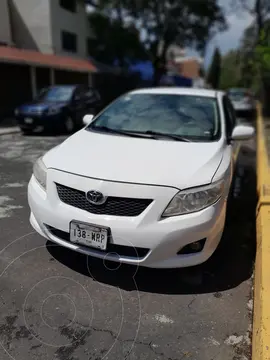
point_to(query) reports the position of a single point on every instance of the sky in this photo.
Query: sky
(229, 39)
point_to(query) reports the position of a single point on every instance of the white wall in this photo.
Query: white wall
(63, 20)
(199, 83)
(37, 25)
(5, 31)
(31, 26)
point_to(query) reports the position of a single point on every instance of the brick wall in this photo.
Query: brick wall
(190, 68)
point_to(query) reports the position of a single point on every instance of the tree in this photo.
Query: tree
(166, 22)
(213, 76)
(113, 42)
(238, 71)
(230, 70)
(259, 9)
(249, 70)
(263, 61)
(263, 49)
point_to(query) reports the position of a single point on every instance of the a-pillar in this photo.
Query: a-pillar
(52, 77)
(33, 76)
(90, 79)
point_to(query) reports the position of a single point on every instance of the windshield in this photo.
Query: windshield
(237, 94)
(56, 94)
(188, 116)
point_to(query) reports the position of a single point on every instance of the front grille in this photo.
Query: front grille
(117, 206)
(121, 250)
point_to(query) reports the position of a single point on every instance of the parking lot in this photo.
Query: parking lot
(57, 304)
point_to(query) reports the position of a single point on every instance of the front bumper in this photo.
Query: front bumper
(161, 239)
(39, 122)
(244, 108)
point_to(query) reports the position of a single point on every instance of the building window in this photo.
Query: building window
(69, 41)
(69, 5)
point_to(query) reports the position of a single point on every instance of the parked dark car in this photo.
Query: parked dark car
(58, 108)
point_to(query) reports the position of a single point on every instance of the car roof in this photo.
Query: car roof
(61, 86)
(238, 89)
(66, 85)
(179, 91)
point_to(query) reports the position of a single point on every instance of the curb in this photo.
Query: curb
(236, 152)
(10, 130)
(261, 318)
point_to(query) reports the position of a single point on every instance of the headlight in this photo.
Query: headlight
(196, 199)
(40, 172)
(53, 110)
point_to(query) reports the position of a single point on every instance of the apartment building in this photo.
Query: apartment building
(189, 67)
(46, 42)
(42, 43)
(5, 28)
(57, 27)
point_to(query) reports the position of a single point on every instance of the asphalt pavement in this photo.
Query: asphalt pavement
(57, 304)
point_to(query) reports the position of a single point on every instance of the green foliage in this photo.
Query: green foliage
(249, 69)
(184, 22)
(263, 50)
(243, 67)
(239, 70)
(213, 76)
(230, 70)
(255, 45)
(114, 41)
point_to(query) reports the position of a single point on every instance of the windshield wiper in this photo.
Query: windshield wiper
(120, 132)
(169, 136)
(145, 134)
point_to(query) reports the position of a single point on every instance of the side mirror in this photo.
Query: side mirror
(87, 119)
(243, 132)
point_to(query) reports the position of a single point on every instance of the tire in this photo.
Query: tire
(26, 132)
(69, 125)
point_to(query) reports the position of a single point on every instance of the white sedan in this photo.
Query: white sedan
(146, 182)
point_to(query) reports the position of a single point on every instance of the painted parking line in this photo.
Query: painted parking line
(236, 152)
(9, 130)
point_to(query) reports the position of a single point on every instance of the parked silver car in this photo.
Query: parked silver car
(243, 101)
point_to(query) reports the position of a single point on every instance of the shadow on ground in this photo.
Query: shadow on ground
(231, 264)
(52, 133)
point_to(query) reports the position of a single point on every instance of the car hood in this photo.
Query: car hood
(137, 160)
(40, 106)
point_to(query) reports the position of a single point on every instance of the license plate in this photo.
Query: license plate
(28, 120)
(89, 235)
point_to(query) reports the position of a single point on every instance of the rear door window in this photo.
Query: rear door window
(91, 95)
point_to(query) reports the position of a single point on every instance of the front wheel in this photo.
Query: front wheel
(69, 125)
(26, 132)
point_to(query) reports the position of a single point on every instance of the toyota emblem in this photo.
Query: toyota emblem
(95, 197)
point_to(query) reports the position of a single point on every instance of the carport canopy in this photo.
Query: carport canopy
(53, 62)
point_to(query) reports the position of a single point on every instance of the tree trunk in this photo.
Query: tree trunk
(159, 71)
(259, 18)
(160, 65)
